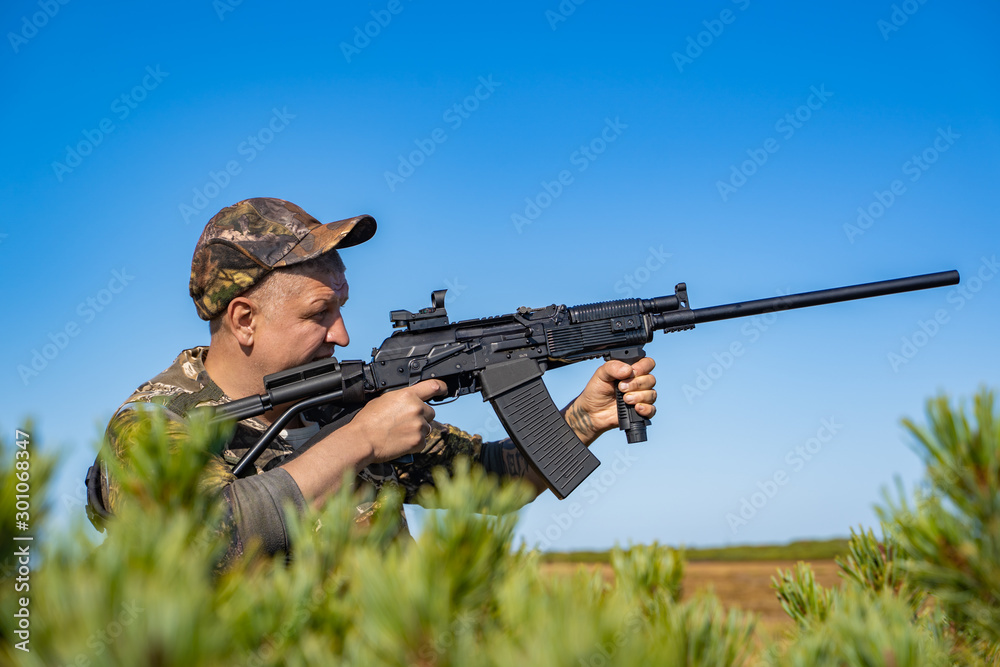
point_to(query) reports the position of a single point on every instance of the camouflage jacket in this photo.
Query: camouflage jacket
(254, 503)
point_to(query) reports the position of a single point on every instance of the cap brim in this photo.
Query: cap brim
(359, 230)
(340, 234)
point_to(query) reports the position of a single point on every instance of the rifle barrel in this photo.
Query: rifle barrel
(807, 299)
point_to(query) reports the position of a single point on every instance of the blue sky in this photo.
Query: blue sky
(528, 154)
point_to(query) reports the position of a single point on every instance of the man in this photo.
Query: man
(268, 278)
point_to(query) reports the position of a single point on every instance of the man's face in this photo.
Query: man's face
(303, 325)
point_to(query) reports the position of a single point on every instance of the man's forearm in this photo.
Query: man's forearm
(320, 469)
(581, 422)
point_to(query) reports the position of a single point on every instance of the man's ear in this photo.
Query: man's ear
(241, 320)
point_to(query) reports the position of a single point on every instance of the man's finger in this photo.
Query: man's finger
(428, 389)
(646, 410)
(636, 397)
(638, 383)
(614, 370)
(644, 366)
(619, 370)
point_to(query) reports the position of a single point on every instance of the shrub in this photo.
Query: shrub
(154, 593)
(928, 593)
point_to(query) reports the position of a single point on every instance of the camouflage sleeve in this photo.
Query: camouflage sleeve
(123, 429)
(444, 443)
(254, 505)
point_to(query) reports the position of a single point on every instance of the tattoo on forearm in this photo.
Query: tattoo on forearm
(513, 463)
(579, 420)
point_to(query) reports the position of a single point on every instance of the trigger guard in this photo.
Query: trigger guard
(442, 401)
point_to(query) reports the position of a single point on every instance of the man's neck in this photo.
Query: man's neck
(236, 380)
(223, 373)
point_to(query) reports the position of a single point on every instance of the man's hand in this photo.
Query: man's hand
(393, 424)
(397, 422)
(595, 411)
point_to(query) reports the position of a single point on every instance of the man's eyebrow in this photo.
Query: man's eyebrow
(327, 298)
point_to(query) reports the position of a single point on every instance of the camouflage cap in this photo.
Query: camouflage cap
(245, 241)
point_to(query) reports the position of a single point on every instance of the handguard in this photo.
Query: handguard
(538, 430)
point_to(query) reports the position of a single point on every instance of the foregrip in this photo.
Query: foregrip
(535, 425)
(628, 419)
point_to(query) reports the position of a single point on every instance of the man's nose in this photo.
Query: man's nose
(337, 334)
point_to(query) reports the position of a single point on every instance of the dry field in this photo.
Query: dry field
(742, 584)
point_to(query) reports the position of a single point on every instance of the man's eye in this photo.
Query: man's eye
(323, 313)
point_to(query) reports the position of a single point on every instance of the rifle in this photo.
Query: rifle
(504, 357)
